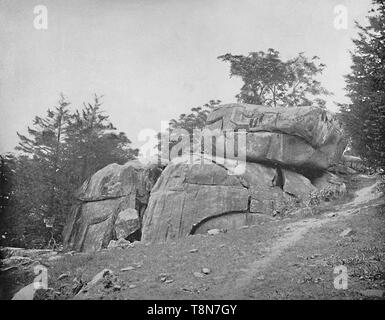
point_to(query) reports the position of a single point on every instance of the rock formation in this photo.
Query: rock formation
(303, 137)
(285, 158)
(282, 146)
(110, 206)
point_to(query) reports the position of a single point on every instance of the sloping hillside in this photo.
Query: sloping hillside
(291, 258)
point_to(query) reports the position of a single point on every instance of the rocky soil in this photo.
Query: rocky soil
(276, 258)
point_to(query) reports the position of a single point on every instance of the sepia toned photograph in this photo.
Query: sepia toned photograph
(193, 156)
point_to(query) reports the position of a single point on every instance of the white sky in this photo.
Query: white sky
(154, 59)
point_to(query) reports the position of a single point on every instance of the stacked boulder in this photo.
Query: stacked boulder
(110, 206)
(284, 159)
(287, 153)
(301, 137)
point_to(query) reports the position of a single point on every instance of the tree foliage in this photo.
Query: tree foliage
(92, 141)
(196, 119)
(61, 151)
(7, 163)
(269, 80)
(364, 118)
(186, 124)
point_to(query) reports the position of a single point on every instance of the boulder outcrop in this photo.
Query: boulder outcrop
(281, 145)
(281, 167)
(190, 194)
(110, 205)
(303, 137)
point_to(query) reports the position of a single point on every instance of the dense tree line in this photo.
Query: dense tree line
(59, 153)
(364, 118)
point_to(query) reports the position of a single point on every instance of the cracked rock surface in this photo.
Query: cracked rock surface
(287, 153)
(110, 205)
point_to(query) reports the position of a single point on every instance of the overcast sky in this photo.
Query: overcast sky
(154, 59)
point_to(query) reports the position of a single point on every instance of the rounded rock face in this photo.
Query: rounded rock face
(192, 196)
(189, 195)
(104, 202)
(299, 136)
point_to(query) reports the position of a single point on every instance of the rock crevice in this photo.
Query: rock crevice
(282, 144)
(110, 206)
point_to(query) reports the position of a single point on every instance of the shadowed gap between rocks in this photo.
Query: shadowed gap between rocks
(205, 220)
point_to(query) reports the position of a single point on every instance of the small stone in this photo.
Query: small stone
(98, 277)
(116, 288)
(62, 276)
(213, 232)
(193, 250)
(198, 274)
(169, 281)
(127, 268)
(374, 293)
(163, 277)
(261, 278)
(111, 244)
(120, 243)
(206, 270)
(55, 258)
(50, 254)
(244, 227)
(132, 286)
(332, 214)
(126, 223)
(346, 232)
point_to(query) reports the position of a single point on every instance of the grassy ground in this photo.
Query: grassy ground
(292, 258)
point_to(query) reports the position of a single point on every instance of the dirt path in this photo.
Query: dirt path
(294, 232)
(278, 259)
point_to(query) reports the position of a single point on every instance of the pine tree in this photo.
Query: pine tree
(44, 166)
(46, 146)
(22, 219)
(61, 151)
(92, 142)
(7, 172)
(364, 118)
(7, 163)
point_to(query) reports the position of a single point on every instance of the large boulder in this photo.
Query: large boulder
(110, 204)
(308, 137)
(192, 192)
(127, 223)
